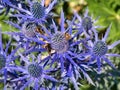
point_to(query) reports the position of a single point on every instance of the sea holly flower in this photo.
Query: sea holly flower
(37, 11)
(34, 73)
(99, 50)
(27, 36)
(6, 58)
(86, 24)
(58, 44)
(29, 29)
(59, 40)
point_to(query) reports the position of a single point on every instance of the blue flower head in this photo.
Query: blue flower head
(60, 43)
(34, 73)
(86, 24)
(29, 29)
(35, 70)
(99, 50)
(37, 11)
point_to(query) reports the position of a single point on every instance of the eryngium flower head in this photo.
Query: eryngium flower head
(33, 73)
(2, 61)
(35, 70)
(87, 23)
(29, 28)
(59, 42)
(100, 48)
(38, 11)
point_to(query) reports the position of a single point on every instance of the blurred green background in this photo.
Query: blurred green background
(108, 12)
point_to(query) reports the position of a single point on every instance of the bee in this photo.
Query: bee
(67, 36)
(47, 46)
(39, 30)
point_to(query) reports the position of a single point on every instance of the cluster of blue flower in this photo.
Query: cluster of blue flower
(52, 55)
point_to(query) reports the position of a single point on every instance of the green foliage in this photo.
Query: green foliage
(109, 12)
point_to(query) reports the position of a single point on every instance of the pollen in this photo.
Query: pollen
(87, 23)
(28, 29)
(100, 48)
(59, 42)
(2, 61)
(38, 10)
(35, 70)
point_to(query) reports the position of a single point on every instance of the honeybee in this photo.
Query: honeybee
(47, 46)
(67, 36)
(39, 30)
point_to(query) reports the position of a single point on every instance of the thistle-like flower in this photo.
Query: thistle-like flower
(86, 25)
(99, 50)
(29, 29)
(37, 11)
(58, 44)
(34, 74)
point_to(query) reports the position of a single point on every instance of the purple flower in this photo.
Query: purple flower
(37, 12)
(86, 24)
(33, 73)
(99, 50)
(28, 29)
(60, 44)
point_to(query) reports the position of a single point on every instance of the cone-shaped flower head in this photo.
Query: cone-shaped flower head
(100, 48)
(38, 11)
(35, 70)
(29, 29)
(87, 23)
(59, 42)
